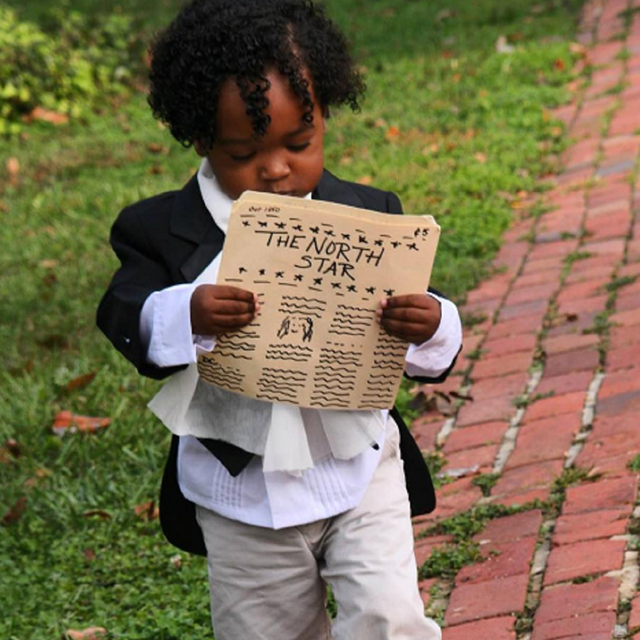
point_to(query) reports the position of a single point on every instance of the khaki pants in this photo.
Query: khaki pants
(270, 585)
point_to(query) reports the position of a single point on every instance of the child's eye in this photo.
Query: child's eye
(298, 147)
(243, 158)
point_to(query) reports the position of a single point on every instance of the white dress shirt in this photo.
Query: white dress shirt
(273, 499)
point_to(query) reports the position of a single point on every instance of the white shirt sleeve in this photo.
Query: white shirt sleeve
(165, 327)
(433, 357)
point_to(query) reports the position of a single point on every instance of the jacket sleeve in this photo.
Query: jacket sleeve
(140, 274)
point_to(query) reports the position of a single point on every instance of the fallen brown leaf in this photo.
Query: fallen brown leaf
(559, 64)
(147, 511)
(15, 512)
(67, 422)
(90, 633)
(44, 115)
(89, 554)
(99, 513)
(364, 180)
(392, 133)
(155, 147)
(480, 157)
(49, 263)
(80, 382)
(13, 169)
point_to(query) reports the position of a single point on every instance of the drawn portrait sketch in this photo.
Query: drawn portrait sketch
(319, 270)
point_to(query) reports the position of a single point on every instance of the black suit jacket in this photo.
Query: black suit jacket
(169, 239)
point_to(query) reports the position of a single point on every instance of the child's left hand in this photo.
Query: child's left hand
(414, 317)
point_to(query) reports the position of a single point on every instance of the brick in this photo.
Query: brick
(526, 324)
(568, 383)
(627, 301)
(625, 358)
(545, 439)
(555, 406)
(604, 447)
(583, 305)
(538, 278)
(628, 402)
(424, 586)
(476, 436)
(425, 546)
(614, 248)
(521, 479)
(425, 431)
(510, 385)
(618, 383)
(572, 324)
(526, 497)
(596, 272)
(562, 344)
(569, 600)
(535, 308)
(584, 559)
(498, 408)
(496, 367)
(627, 318)
(581, 360)
(511, 528)
(605, 494)
(486, 599)
(530, 293)
(595, 626)
(493, 628)
(501, 560)
(482, 457)
(634, 617)
(508, 345)
(593, 525)
(582, 290)
(623, 336)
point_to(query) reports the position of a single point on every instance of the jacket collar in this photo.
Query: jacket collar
(191, 220)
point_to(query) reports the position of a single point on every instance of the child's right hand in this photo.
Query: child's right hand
(217, 309)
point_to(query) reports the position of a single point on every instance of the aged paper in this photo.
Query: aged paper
(320, 271)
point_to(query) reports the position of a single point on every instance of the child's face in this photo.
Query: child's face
(287, 160)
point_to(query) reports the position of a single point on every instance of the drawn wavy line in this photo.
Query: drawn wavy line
(234, 279)
(248, 334)
(336, 376)
(235, 356)
(212, 375)
(343, 332)
(302, 357)
(330, 398)
(352, 322)
(324, 367)
(386, 376)
(363, 309)
(340, 351)
(322, 302)
(225, 385)
(229, 374)
(282, 378)
(337, 357)
(279, 387)
(282, 375)
(346, 314)
(386, 364)
(237, 345)
(287, 358)
(298, 312)
(388, 352)
(292, 346)
(289, 351)
(275, 398)
(331, 405)
(291, 307)
(307, 304)
(298, 371)
(337, 361)
(335, 385)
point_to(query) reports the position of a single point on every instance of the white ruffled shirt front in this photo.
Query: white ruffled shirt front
(309, 464)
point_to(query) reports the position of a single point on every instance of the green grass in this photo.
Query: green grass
(474, 132)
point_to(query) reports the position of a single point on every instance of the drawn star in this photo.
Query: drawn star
(328, 232)
(362, 240)
(242, 270)
(261, 223)
(298, 277)
(298, 227)
(262, 272)
(279, 274)
(413, 246)
(389, 292)
(396, 244)
(371, 290)
(281, 225)
(314, 229)
(336, 285)
(246, 223)
(378, 243)
(346, 236)
(352, 288)
(317, 281)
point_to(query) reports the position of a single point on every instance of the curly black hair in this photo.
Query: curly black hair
(212, 40)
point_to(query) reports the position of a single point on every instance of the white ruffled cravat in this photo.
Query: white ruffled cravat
(288, 438)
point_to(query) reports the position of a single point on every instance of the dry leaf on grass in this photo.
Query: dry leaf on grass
(45, 115)
(90, 633)
(15, 512)
(80, 382)
(13, 169)
(147, 511)
(67, 422)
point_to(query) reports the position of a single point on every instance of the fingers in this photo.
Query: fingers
(413, 317)
(216, 309)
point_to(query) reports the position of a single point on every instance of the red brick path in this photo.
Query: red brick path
(562, 337)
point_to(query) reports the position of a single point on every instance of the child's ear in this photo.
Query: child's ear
(200, 148)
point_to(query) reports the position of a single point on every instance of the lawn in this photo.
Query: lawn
(457, 128)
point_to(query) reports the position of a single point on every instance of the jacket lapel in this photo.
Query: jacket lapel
(191, 220)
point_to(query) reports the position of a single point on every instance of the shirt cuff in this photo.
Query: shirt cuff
(433, 357)
(165, 327)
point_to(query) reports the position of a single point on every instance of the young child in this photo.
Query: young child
(249, 85)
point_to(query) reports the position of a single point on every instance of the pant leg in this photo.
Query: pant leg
(370, 562)
(265, 584)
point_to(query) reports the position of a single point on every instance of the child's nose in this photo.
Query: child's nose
(274, 168)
